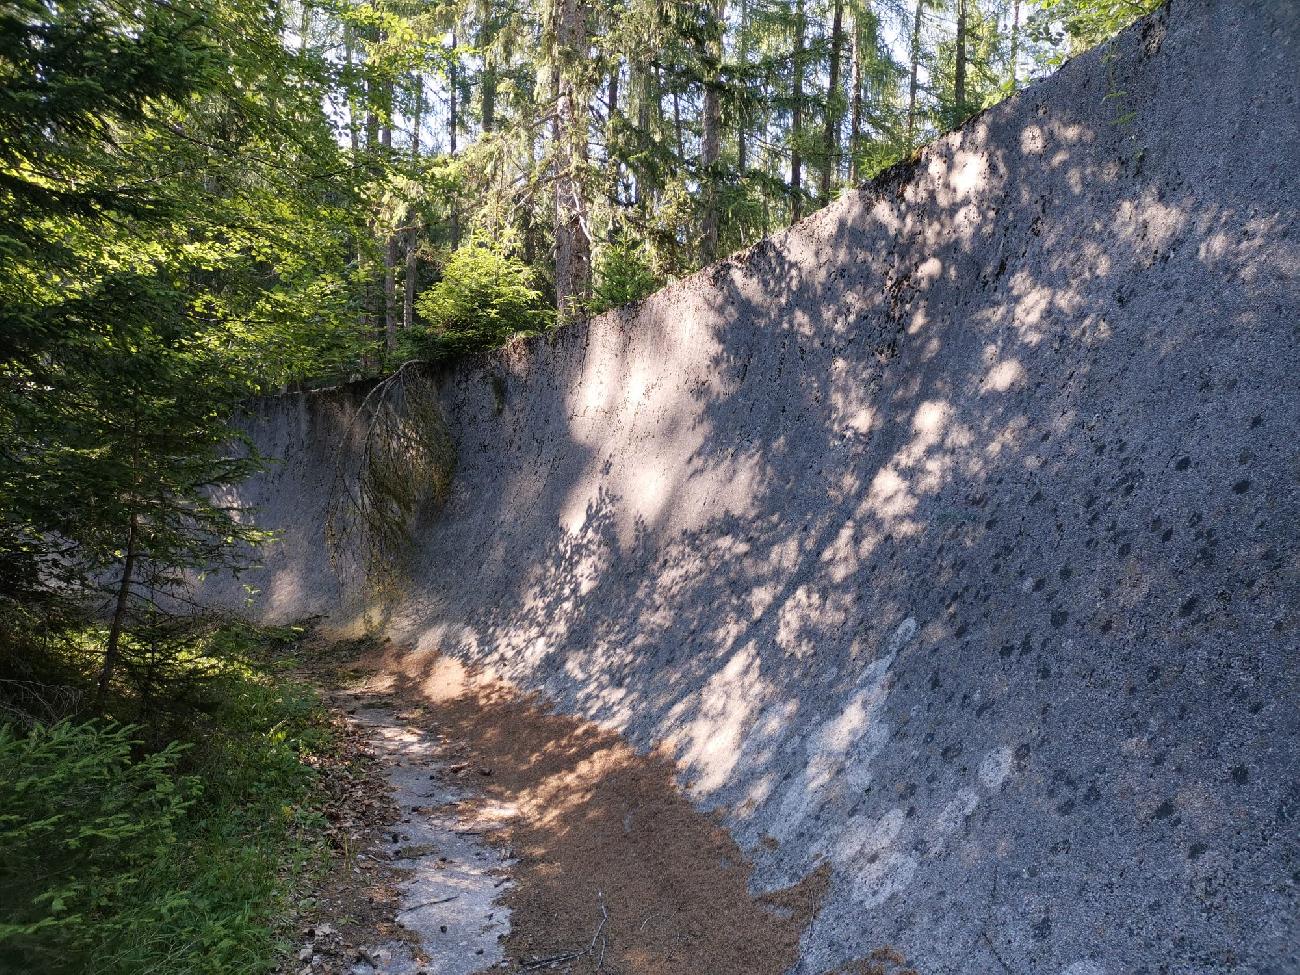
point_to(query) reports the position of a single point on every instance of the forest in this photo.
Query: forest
(205, 201)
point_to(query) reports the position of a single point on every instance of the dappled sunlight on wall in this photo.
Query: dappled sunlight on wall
(834, 519)
(947, 537)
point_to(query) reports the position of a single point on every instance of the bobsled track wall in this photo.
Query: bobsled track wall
(952, 535)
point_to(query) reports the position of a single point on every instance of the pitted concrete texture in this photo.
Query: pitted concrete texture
(950, 535)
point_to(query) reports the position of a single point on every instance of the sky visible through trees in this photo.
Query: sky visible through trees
(638, 140)
(206, 199)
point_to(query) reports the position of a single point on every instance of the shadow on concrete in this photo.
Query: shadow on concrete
(948, 537)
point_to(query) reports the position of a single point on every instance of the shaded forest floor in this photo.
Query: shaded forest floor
(603, 866)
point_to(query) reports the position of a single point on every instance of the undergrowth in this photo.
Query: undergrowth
(169, 844)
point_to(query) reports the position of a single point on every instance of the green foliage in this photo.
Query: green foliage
(118, 857)
(1082, 24)
(133, 396)
(176, 235)
(75, 73)
(188, 144)
(485, 298)
(115, 434)
(623, 274)
(83, 822)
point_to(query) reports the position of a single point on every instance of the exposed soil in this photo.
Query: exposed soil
(615, 872)
(448, 877)
(351, 908)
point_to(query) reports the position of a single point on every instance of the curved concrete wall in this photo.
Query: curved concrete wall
(951, 535)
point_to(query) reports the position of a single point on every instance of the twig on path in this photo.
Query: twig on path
(994, 950)
(604, 918)
(438, 900)
(984, 930)
(547, 961)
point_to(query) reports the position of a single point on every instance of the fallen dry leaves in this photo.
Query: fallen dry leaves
(349, 911)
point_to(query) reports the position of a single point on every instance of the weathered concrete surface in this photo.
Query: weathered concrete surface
(951, 535)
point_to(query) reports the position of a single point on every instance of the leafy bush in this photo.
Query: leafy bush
(485, 298)
(623, 275)
(117, 859)
(81, 826)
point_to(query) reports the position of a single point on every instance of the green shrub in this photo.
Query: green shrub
(485, 298)
(82, 823)
(118, 859)
(623, 275)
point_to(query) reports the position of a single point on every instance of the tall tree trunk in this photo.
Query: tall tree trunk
(391, 248)
(354, 134)
(413, 233)
(659, 125)
(488, 96)
(374, 276)
(773, 167)
(453, 106)
(304, 27)
(1015, 43)
(645, 93)
(527, 217)
(742, 55)
(834, 108)
(711, 136)
(916, 62)
(855, 101)
(677, 127)
(796, 119)
(572, 244)
(453, 126)
(372, 122)
(611, 89)
(120, 606)
(959, 78)
(488, 86)
(390, 261)
(611, 134)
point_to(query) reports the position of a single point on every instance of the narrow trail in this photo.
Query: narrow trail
(520, 840)
(451, 879)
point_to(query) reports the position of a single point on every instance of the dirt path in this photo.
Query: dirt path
(414, 885)
(450, 879)
(526, 841)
